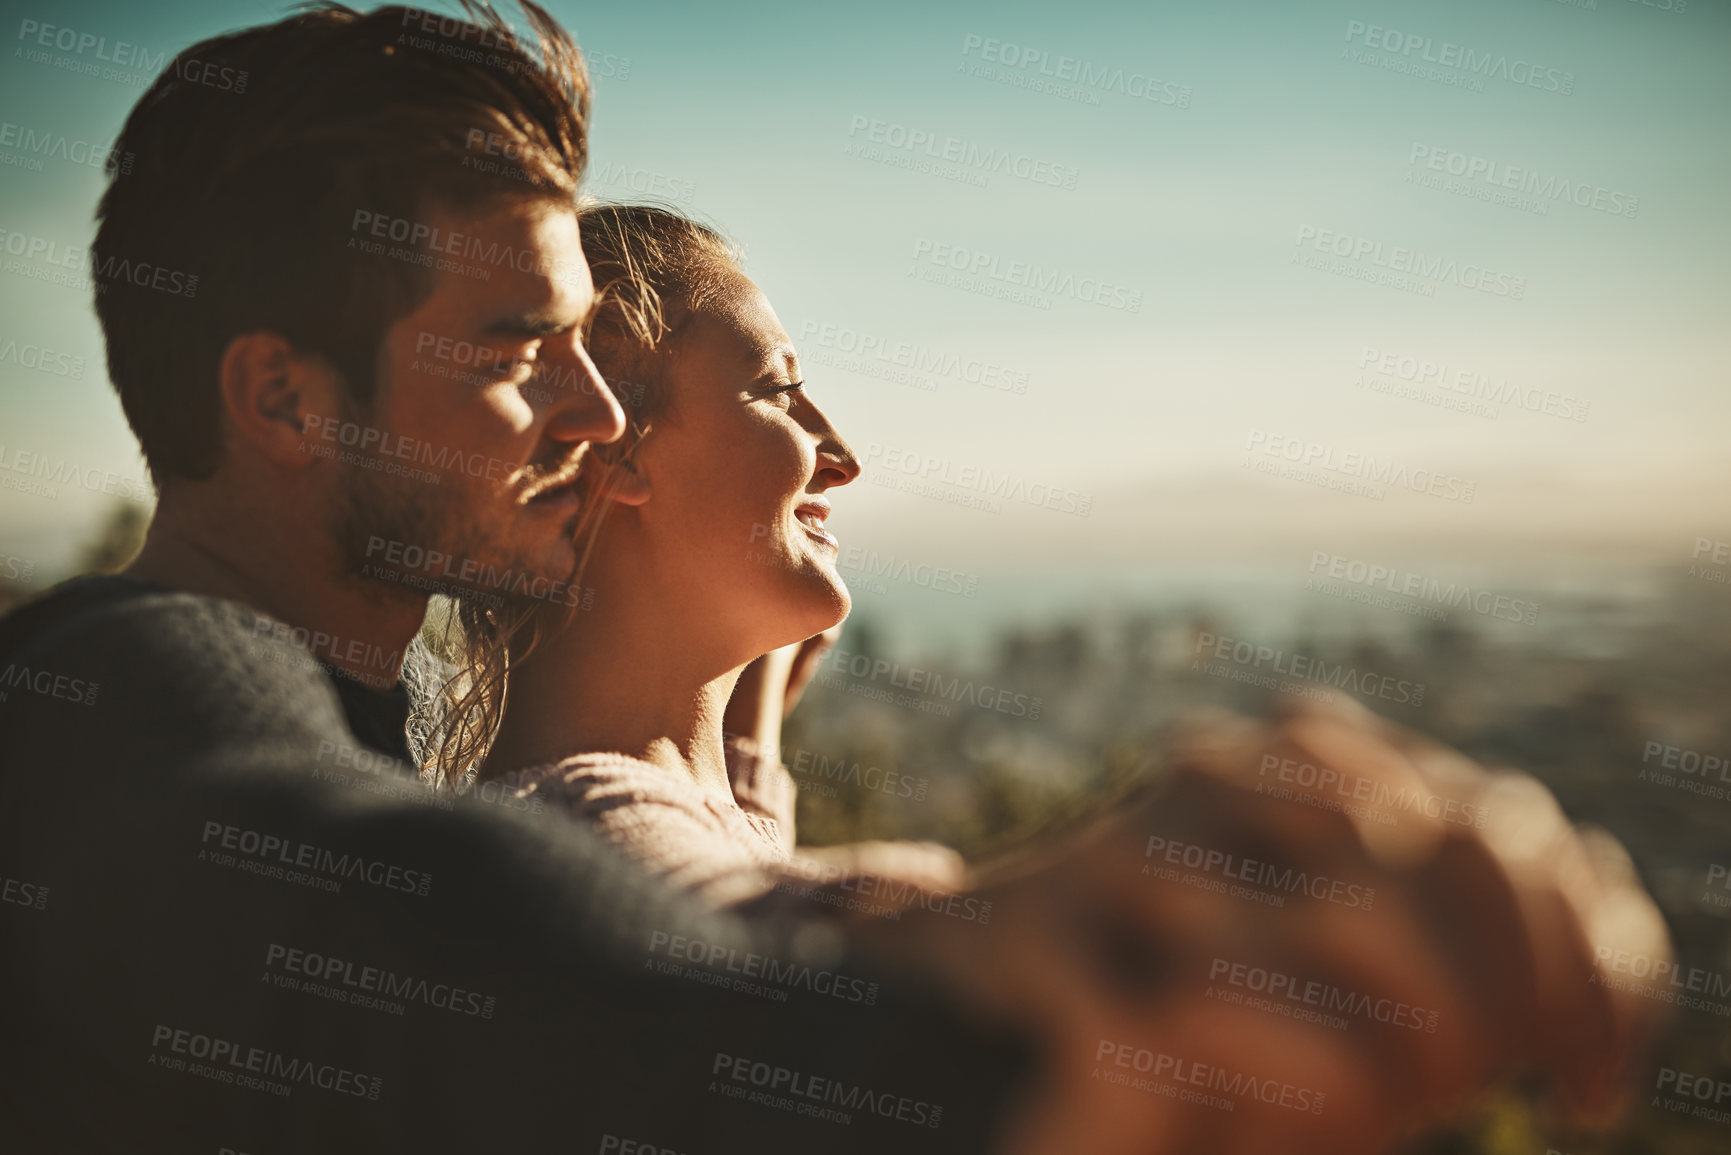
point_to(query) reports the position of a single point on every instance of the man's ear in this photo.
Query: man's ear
(277, 398)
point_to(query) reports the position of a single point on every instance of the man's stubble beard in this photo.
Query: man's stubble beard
(376, 515)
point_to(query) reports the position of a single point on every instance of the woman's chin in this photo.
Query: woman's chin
(823, 600)
(832, 604)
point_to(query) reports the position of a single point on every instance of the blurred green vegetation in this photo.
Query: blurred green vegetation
(116, 541)
(113, 542)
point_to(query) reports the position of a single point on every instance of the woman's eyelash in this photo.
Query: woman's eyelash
(781, 390)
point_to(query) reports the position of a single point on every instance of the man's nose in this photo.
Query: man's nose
(584, 408)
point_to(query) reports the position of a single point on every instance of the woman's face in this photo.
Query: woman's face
(736, 468)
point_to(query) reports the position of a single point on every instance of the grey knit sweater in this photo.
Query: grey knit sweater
(231, 919)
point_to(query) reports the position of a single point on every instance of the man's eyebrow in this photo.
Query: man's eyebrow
(535, 323)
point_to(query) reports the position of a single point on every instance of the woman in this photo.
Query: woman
(709, 547)
(708, 551)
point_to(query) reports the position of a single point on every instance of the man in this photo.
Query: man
(232, 922)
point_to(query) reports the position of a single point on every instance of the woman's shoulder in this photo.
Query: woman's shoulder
(603, 779)
(662, 819)
(623, 790)
(590, 764)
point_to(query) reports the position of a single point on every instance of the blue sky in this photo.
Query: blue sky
(1279, 134)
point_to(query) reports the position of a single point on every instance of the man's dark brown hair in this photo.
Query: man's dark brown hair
(255, 152)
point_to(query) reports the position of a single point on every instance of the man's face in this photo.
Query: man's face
(486, 405)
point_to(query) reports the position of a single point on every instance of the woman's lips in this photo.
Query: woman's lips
(810, 516)
(821, 534)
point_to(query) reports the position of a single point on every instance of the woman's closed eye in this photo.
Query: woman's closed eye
(784, 391)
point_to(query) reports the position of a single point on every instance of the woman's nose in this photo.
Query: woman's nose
(836, 463)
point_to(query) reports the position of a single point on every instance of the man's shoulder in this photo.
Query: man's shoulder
(113, 598)
(153, 652)
(121, 618)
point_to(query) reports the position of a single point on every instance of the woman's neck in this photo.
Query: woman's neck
(612, 683)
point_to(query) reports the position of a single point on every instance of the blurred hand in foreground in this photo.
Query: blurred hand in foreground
(1321, 934)
(770, 687)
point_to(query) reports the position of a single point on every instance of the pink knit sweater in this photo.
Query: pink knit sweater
(726, 850)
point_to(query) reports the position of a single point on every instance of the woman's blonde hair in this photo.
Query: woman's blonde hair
(653, 268)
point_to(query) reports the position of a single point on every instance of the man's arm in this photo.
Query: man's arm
(249, 940)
